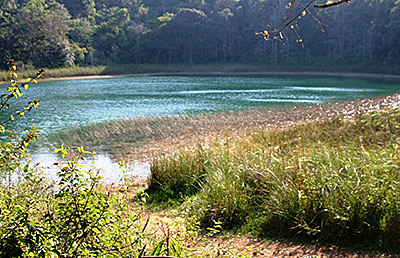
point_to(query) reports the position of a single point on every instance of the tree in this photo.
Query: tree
(110, 35)
(36, 32)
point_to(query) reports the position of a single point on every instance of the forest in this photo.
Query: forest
(62, 33)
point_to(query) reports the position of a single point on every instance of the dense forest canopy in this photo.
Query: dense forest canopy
(54, 33)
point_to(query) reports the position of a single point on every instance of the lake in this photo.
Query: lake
(65, 104)
(74, 103)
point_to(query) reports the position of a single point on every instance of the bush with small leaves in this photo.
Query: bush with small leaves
(12, 145)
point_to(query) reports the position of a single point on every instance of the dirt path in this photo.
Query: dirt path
(242, 247)
(201, 246)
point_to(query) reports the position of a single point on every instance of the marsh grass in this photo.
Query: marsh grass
(26, 72)
(333, 181)
(125, 136)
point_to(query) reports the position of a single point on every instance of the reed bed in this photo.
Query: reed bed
(26, 72)
(333, 180)
(143, 138)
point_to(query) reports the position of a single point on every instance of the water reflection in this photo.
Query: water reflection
(108, 169)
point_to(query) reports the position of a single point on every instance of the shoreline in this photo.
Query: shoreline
(328, 74)
(282, 73)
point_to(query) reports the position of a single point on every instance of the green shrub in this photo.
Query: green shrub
(78, 218)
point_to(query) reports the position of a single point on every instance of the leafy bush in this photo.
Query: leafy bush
(12, 146)
(78, 218)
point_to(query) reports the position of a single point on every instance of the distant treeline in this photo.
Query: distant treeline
(58, 33)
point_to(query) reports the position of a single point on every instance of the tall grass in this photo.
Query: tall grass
(26, 72)
(335, 181)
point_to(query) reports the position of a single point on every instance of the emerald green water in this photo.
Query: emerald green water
(73, 103)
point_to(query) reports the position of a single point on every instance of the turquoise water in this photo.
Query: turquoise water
(65, 104)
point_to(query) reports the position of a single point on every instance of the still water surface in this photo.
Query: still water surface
(66, 104)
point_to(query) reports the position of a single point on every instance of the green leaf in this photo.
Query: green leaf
(142, 251)
(19, 93)
(158, 249)
(175, 245)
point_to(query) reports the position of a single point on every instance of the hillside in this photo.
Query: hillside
(360, 36)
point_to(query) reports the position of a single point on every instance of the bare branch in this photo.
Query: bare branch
(330, 4)
(313, 16)
(295, 17)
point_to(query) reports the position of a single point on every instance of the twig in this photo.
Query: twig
(330, 4)
(295, 17)
(313, 16)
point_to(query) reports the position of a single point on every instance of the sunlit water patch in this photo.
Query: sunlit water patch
(331, 89)
(287, 100)
(110, 170)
